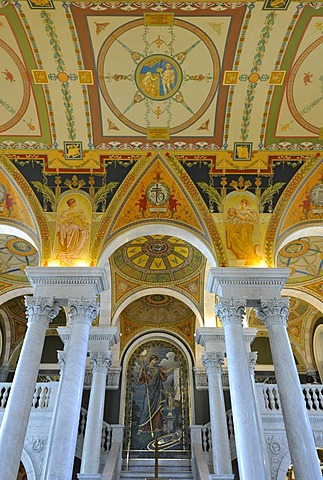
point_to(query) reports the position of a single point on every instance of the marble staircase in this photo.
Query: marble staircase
(167, 469)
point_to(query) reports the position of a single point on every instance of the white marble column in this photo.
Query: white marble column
(247, 435)
(213, 362)
(60, 462)
(4, 371)
(61, 357)
(274, 313)
(39, 312)
(252, 356)
(100, 362)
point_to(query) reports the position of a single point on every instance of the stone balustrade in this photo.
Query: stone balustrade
(44, 396)
(269, 405)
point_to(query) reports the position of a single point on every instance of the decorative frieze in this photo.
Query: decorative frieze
(112, 381)
(251, 283)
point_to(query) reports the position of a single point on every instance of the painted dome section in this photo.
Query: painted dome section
(15, 255)
(158, 259)
(304, 258)
(157, 309)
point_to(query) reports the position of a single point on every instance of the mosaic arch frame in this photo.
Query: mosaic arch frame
(175, 402)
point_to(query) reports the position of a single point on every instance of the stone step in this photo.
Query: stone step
(148, 465)
(170, 469)
(170, 475)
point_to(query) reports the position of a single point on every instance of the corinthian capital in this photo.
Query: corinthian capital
(100, 361)
(231, 310)
(213, 362)
(83, 310)
(61, 357)
(252, 357)
(41, 309)
(273, 311)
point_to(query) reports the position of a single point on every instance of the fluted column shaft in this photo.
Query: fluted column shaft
(298, 429)
(100, 362)
(39, 312)
(247, 435)
(213, 362)
(60, 462)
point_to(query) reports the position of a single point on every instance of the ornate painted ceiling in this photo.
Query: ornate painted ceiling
(86, 75)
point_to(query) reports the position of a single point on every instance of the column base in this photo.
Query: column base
(223, 476)
(89, 476)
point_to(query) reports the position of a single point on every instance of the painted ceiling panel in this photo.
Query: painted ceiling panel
(114, 75)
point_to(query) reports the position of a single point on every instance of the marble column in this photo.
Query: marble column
(252, 356)
(100, 362)
(247, 435)
(213, 362)
(39, 312)
(4, 371)
(60, 462)
(61, 357)
(274, 313)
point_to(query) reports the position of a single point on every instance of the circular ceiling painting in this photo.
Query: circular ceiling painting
(158, 259)
(15, 255)
(170, 76)
(303, 257)
(306, 109)
(14, 86)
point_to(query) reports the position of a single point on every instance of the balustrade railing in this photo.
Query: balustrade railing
(269, 401)
(106, 439)
(44, 396)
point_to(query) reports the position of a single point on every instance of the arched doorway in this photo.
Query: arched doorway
(157, 401)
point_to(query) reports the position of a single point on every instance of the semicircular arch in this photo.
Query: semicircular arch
(163, 291)
(140, 340)
(157, 229)
(32, 219)
(304, 231)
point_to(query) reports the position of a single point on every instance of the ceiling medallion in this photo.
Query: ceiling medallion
(295, 249)
(157, 248)
(20, 247)
(158, 77)
(157, 193)
(157, 299)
